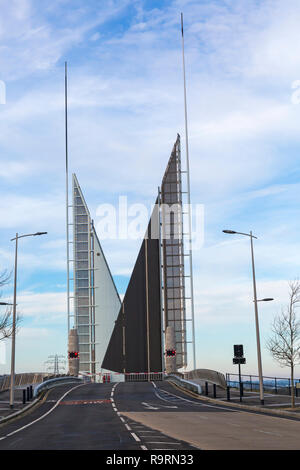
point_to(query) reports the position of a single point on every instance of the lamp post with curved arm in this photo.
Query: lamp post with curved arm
(13, 336)
(259, 361)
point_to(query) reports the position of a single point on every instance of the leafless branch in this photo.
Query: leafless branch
(284, 345)
(6, 319)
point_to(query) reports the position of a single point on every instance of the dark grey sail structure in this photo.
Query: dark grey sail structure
(174, 305)
(135, 345)
(155, 297)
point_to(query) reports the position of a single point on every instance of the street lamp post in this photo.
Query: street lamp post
(13, 336)
(259, 361)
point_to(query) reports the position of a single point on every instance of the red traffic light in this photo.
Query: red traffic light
(73, 355)
(171, 352)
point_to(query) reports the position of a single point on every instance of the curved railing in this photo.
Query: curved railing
(47, 384)
(186, 384)
(207, 375)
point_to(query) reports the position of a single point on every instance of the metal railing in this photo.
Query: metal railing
(47, 384)
(143, 376)
(270, 384)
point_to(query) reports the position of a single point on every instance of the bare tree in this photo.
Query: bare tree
(5, 277)
(284, 345)
(6, 322)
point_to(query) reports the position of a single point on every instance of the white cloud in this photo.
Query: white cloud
(47, 307)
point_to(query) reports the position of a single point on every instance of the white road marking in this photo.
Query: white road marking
(268, 432)
(129, 428)
(194, 403)
(149, 406)
(44, 415)
(135, 437)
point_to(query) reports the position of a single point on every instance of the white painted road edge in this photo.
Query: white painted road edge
(43, 416)
(135, 437)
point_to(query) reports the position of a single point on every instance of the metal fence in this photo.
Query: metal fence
(143, 376)
(21, 380)
(270, 384)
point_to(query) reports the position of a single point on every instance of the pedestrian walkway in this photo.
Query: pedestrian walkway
(278, 400)
(5, 409)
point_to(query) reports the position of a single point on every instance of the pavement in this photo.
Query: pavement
(5, 409)
(143, 416)
(280, 400)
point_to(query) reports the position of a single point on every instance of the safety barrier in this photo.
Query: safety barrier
(47, 384)
(207, 375)
(143, 376)
(186, 384)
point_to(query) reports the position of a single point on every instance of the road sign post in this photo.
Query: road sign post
(239, 359)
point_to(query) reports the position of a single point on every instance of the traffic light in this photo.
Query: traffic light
(73, 355)
(170, 352)
(238, 350)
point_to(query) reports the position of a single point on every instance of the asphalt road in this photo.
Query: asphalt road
(135, 416)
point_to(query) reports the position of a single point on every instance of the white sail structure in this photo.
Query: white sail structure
(96, 300)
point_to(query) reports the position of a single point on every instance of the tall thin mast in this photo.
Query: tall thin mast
(67, 196)
(189, 198)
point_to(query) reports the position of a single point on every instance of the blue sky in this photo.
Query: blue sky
(125, 109)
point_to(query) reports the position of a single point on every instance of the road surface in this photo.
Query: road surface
(148, 416)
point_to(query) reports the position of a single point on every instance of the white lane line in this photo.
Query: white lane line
(195, 403)
(44, 415)
(129, 429)
(150, 407)
(268, 432)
